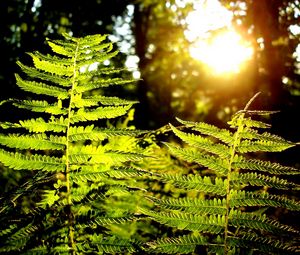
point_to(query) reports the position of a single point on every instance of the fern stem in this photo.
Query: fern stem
(233, 152)
(68, 183)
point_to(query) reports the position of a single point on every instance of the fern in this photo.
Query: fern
(82, 179)
(229, 207)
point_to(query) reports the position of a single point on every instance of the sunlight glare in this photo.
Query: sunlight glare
(223, 52)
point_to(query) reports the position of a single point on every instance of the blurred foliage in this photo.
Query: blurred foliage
(172, 83)
(175, 84)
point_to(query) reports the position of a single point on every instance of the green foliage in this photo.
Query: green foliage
(87, 173)
(82, 195)
(228, 204)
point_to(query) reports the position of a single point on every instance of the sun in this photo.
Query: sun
(224, 52)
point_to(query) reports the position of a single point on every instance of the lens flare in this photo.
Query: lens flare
(224, 53)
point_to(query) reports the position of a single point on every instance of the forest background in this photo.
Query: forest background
(152, 36)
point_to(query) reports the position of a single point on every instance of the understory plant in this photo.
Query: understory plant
(92, 185)
(229, 199)
(80, 193)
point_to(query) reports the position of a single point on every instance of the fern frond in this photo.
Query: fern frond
(41, 88)
(205, 184)
(98, 134)
(35, 73)
(61, 47)
(14, 246)
(253, 134)
(102, 83)
(97, 100)
(118, 172)
(255, 179)
(19, 161)
(125, 172)
(258, 222)
(34, 141)
(102, 71)
(267, 146)
(40, 126)
(243, 198)
(180, 245)
(108, 112)
(90, 155)
(49, 197)
(89, 177)
(264, 166)
(209, 161)
(248, 122)
(208, 224)
(52, 64)
(111, 245)
(86, 59)
(40, 250)
(41, 106)
(223, 135)
(102, 221)
(88, 41)
(8, 230)
(202, 143)
(193, 205)
(261, 244)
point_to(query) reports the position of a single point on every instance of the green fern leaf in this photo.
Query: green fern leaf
(102, 71)
(112, 245)
(49, 197)
(210, 130)
(255, 179)
(40, 106)
(60, 47)
(91, 155)
(264, 166)
(84, 60)
(205, 184)
(40, 126)
(97, 134)
(242, 198)
(108, 112)
(19, 239)
(101, 83)
(35, 73)
(267, 146)
(41, 88)
(252, 134)
(8, 230)
(209, 161)
(19, 161)
(258, 222)
(34, 141)
(248, 122)
(180, 245)
(202, 143)
(261, 244)
(193, 205)
(97, 100)
(89, 177)
(123, 172)
(40, 250)
(209, 224)
(102, 221)
(118, 172)
(53, 65)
